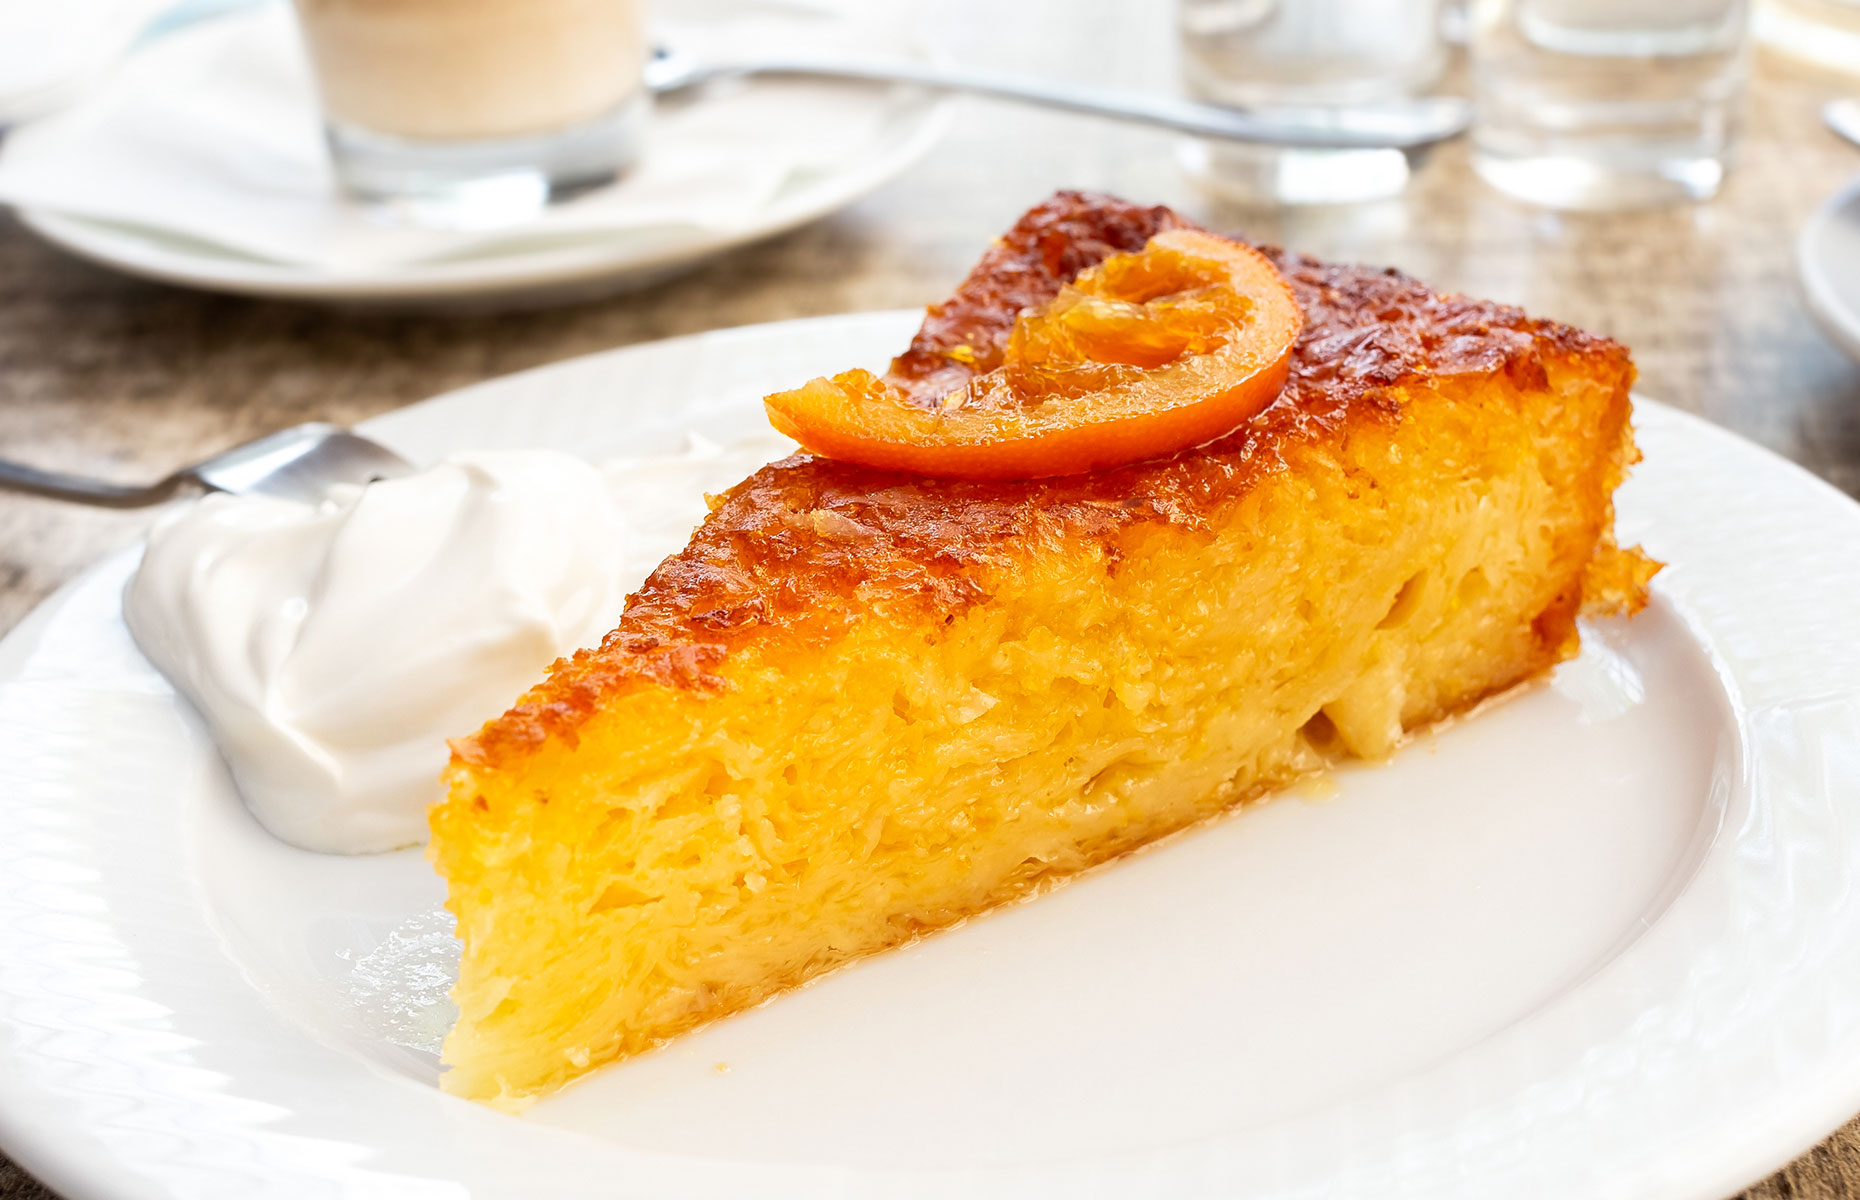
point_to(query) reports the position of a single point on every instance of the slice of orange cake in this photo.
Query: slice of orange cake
(863, 705)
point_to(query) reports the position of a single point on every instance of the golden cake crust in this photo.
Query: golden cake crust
(808, 545)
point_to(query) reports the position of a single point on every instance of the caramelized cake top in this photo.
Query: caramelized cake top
(806, 545)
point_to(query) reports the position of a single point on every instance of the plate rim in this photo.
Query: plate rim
(1813, 1113)
(1839, 324)
(511, 275)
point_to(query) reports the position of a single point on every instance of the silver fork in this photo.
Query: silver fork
(299, 463)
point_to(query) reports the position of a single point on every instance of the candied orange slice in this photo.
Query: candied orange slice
(1140, 356)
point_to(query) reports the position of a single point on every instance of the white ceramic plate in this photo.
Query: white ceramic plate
(1827, 263)
(1601, 941)
(543, 276)
(877, 132)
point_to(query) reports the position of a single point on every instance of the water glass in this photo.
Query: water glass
(475, 113)
(1602, 104)
(1305, 58)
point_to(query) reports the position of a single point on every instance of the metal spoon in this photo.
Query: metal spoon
(1409, 125)
(1843, 117)
(299, 463)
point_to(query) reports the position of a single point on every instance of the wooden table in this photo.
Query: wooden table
(100, 373)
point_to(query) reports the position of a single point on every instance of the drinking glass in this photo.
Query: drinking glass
(1599, 104)
(1305, 58)
(472, 113)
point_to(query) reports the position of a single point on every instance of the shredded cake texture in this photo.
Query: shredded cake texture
(860, 706)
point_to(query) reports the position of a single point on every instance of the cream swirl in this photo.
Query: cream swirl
(332, 648)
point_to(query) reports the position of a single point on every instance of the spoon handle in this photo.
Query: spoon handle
(81, 489)
(302, 463)
(1408, 125)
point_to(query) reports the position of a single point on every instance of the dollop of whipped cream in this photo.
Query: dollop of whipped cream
(333, 647)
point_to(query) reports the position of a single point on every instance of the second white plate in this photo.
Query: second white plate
(1827, 263)
(164, 175)
(1603, 940)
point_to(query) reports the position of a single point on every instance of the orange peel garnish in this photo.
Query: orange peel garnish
(1140, 356)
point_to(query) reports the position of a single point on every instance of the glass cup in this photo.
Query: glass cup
(474, 113)
(1601, 104)
(1305, 58)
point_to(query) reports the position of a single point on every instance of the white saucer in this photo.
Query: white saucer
(1827, 263)
(205, 80)
(1602, 940)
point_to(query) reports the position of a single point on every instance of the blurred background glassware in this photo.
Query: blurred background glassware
(477, 113)
(1604, 104)
(1304, 59)
(1824, 32)
(1455, 21)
